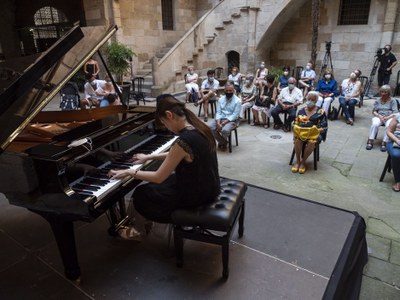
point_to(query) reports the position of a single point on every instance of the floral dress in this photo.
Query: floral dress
(318, 119)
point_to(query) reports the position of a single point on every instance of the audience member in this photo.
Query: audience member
(393, 148)
(228, 109)
(208, 92)
(261, 72)
(307, 78)
(106, 94)
(235, 77)
(350, 91)
(283, 80)
(385, 108)
(264, 101)
(91, 67)
(288, 100)
(91, 85)
(327, 88)
(310, 127)
(248, 94)
(191, 84)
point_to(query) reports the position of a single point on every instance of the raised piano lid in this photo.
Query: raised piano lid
(39, 83)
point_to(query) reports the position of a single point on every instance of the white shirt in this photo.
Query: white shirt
(206, 85)
(291, 96)
(350, 88)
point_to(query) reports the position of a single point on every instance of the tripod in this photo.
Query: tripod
(327, 62)
(371, 76)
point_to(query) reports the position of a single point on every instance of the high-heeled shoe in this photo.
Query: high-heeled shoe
(130, 233)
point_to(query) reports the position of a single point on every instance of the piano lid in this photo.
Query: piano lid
(29, 92)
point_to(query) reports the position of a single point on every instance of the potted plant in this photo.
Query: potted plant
(119, 58)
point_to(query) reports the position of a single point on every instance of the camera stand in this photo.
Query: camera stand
(327, 62)
(371, 76)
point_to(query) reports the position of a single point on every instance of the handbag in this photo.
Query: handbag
(306, 133)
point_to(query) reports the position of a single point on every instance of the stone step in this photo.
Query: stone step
(220, 27)
(226, 22)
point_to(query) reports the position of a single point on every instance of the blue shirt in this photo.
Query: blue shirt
(228, 108)
(283, 80)
(327, 87)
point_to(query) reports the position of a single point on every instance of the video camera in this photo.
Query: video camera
(328, 45)
(381, 51)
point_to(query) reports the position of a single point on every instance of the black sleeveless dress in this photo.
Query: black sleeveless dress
(193, 184)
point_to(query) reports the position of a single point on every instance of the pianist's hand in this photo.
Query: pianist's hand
(140, 158)
(118, 174)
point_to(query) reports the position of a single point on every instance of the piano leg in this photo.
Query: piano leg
(63, 231)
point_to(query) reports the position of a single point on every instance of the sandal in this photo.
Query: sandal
(255, 124)
(302, 170)
(130, 233)
(277, 126)
(383, 148)
(266, 126)
(295, 169)
(369, 146)
(396, 188)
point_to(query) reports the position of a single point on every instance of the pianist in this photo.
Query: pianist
(188, 175)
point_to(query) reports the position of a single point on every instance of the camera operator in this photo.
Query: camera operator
(387, 61)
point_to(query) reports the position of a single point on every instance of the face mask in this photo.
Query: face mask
(93, 83)
(247, 82)
(327, 76)
(109, 83)
(228, 95)
(286, 73)
(310, 103)
(291, 86)
(264, 82)
(386, 50)
(190, 72)
(210, 79)
(308, 68)
(262, 66)
(353, 75)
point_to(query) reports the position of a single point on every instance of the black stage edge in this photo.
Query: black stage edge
(292, 249)
(345, 280)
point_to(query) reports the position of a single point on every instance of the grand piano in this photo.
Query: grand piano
(55, 162)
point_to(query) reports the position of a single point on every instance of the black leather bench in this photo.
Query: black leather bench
(212, 223)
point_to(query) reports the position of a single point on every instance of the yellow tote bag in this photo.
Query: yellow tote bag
(306, 133)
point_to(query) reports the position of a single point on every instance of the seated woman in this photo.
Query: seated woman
(263, 103)
(307, 78)
(312, 118)
(191, 85)
(107, 94)
(236, 79)
(187, 177)
(283, 80)
(248, 94)
(385, 108)
(327, 88)
(393, 148)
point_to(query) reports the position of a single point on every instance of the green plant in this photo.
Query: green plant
(276, 72)
(118, 59)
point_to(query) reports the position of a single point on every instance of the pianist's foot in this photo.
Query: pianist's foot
(130, 233)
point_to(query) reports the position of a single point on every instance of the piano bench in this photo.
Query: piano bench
(220, 216)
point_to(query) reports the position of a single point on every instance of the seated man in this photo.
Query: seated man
(307, 78)
(228, 109)
(288, 100)
(107, 94)
(208, 92)
(91, 98)
(350, 94)
(191, 84)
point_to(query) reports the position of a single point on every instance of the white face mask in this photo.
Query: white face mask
(286, 73)
(291, 86)
(310, 103)
(353, 75)
(308, 68)
(262, 66)
(327, 76)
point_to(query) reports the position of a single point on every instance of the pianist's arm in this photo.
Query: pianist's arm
(172, 159)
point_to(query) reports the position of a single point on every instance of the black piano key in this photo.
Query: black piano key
(82, 191)
(93, 181)
(85, 187)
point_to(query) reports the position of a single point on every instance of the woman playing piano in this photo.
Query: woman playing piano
(188, 175)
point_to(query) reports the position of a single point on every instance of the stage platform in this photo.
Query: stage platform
(291, 249)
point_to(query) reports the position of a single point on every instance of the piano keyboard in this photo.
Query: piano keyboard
(100, 185)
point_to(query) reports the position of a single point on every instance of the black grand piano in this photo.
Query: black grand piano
(55, 163)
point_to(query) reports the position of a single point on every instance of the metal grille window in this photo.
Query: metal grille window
(354, 12)
(167, 14)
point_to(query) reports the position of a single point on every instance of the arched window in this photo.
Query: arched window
(50, 25)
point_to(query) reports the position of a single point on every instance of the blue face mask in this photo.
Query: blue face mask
(109, 83)
(210, 79)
